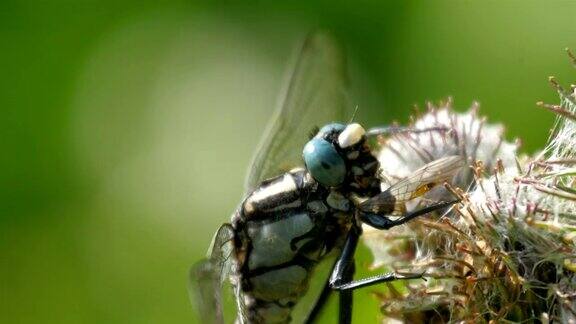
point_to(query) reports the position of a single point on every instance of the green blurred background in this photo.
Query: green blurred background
(126, 126)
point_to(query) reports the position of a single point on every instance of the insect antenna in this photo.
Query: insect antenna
(353, 115)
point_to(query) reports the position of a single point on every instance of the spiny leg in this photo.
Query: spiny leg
(345, 266)
(370, 281)
(383, 222)
(346, 299)
(343, 272)
(388, 130)
(341, 278)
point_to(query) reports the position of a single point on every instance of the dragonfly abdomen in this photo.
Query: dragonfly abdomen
(282, 231)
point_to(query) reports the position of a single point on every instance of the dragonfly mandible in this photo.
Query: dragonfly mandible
(307, 198)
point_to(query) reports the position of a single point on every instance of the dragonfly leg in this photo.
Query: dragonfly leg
(383, 222)
(341, 277)
(345, 304)
(365, 282)
(342, 273)
(388, 130)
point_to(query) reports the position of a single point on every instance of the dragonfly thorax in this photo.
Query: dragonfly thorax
(338, 156)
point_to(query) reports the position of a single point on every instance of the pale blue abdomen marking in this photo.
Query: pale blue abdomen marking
(287, 284)
(271, 241)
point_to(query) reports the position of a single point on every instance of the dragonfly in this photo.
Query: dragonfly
(306, 200)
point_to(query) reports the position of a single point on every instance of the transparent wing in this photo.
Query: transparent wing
(314, 95)
(417, 184)
(426, 178)
(208, 275)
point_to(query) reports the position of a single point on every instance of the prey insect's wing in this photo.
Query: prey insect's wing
(426, 178)
(314, 95)
(207, 277)
(415, 185)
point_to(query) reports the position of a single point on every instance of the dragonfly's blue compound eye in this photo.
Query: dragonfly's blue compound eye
(326, 129)
(324, 163)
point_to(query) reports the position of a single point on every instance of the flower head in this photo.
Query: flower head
(507, 251)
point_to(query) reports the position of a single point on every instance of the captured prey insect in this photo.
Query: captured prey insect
(290, 222)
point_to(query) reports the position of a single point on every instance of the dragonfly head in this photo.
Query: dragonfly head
(339, 156)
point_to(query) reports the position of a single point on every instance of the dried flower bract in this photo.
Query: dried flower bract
(506, 252)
